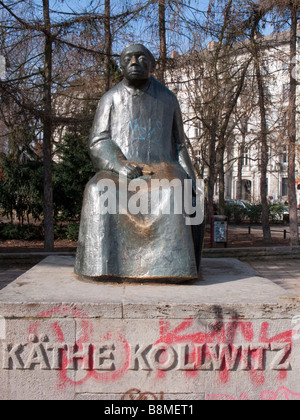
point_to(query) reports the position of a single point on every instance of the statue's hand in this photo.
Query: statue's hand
(130, 171)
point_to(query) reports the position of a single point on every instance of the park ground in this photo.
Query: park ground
(282, 271)
(238, 236)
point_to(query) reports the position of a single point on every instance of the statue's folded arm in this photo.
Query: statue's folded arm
(106, 155)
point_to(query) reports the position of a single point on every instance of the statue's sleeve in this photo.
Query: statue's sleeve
(104, 152)
(180, 145)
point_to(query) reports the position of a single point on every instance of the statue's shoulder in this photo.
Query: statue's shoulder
(109, 96)
(163, 91)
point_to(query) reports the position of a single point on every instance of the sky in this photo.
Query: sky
(139, 32)
(68, 5)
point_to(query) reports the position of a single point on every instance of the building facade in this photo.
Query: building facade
(242, 155)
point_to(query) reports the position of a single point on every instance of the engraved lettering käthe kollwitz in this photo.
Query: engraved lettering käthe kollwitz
(43, 355)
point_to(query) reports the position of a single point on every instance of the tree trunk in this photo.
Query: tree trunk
(264, 130)
(294, 232)
(108, 46)
(47, 133)
(264, 152)
(162, 40)
(239, 191)
(212, 172)
(221, 172)
(222, 138)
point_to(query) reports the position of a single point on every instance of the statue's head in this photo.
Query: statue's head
(137, 62)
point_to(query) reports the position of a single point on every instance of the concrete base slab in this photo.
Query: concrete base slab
(230, 335)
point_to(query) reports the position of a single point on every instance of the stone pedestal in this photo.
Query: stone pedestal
(232, 335)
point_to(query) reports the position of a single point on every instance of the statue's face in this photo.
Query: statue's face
(136, 64)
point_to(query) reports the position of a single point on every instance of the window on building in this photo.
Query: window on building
(246, 158)
(197, 129)
(285, 91)
(284, 187)
(284, 155)
(180, 84)
(198, 155)
(286, 65)
(269, 153)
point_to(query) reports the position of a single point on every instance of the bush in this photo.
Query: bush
(67, 231)
(276, 211)
(229, 211)
(21, 182)
(59, 231)
(235, 212)
(254, 212)
(21, 187)
(10, 231)
(72, 231)
(70, 176)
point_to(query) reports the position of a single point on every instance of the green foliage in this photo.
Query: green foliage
(16, 231)
(68, 230)
(229, 211)
(21, 187)
(70, 176)
(235, 212)
(34, 232)
(72, 231)
(254, 212)
(276, 211)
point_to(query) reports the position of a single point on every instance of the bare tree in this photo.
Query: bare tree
(162, 40)
(255, 50)
(47, 131)
(214, 88)
(53, 55)
(242, 116)
(108, 46)
(294, 230)
(290, 11)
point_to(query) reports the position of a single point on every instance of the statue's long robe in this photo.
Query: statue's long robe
(144, 126)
